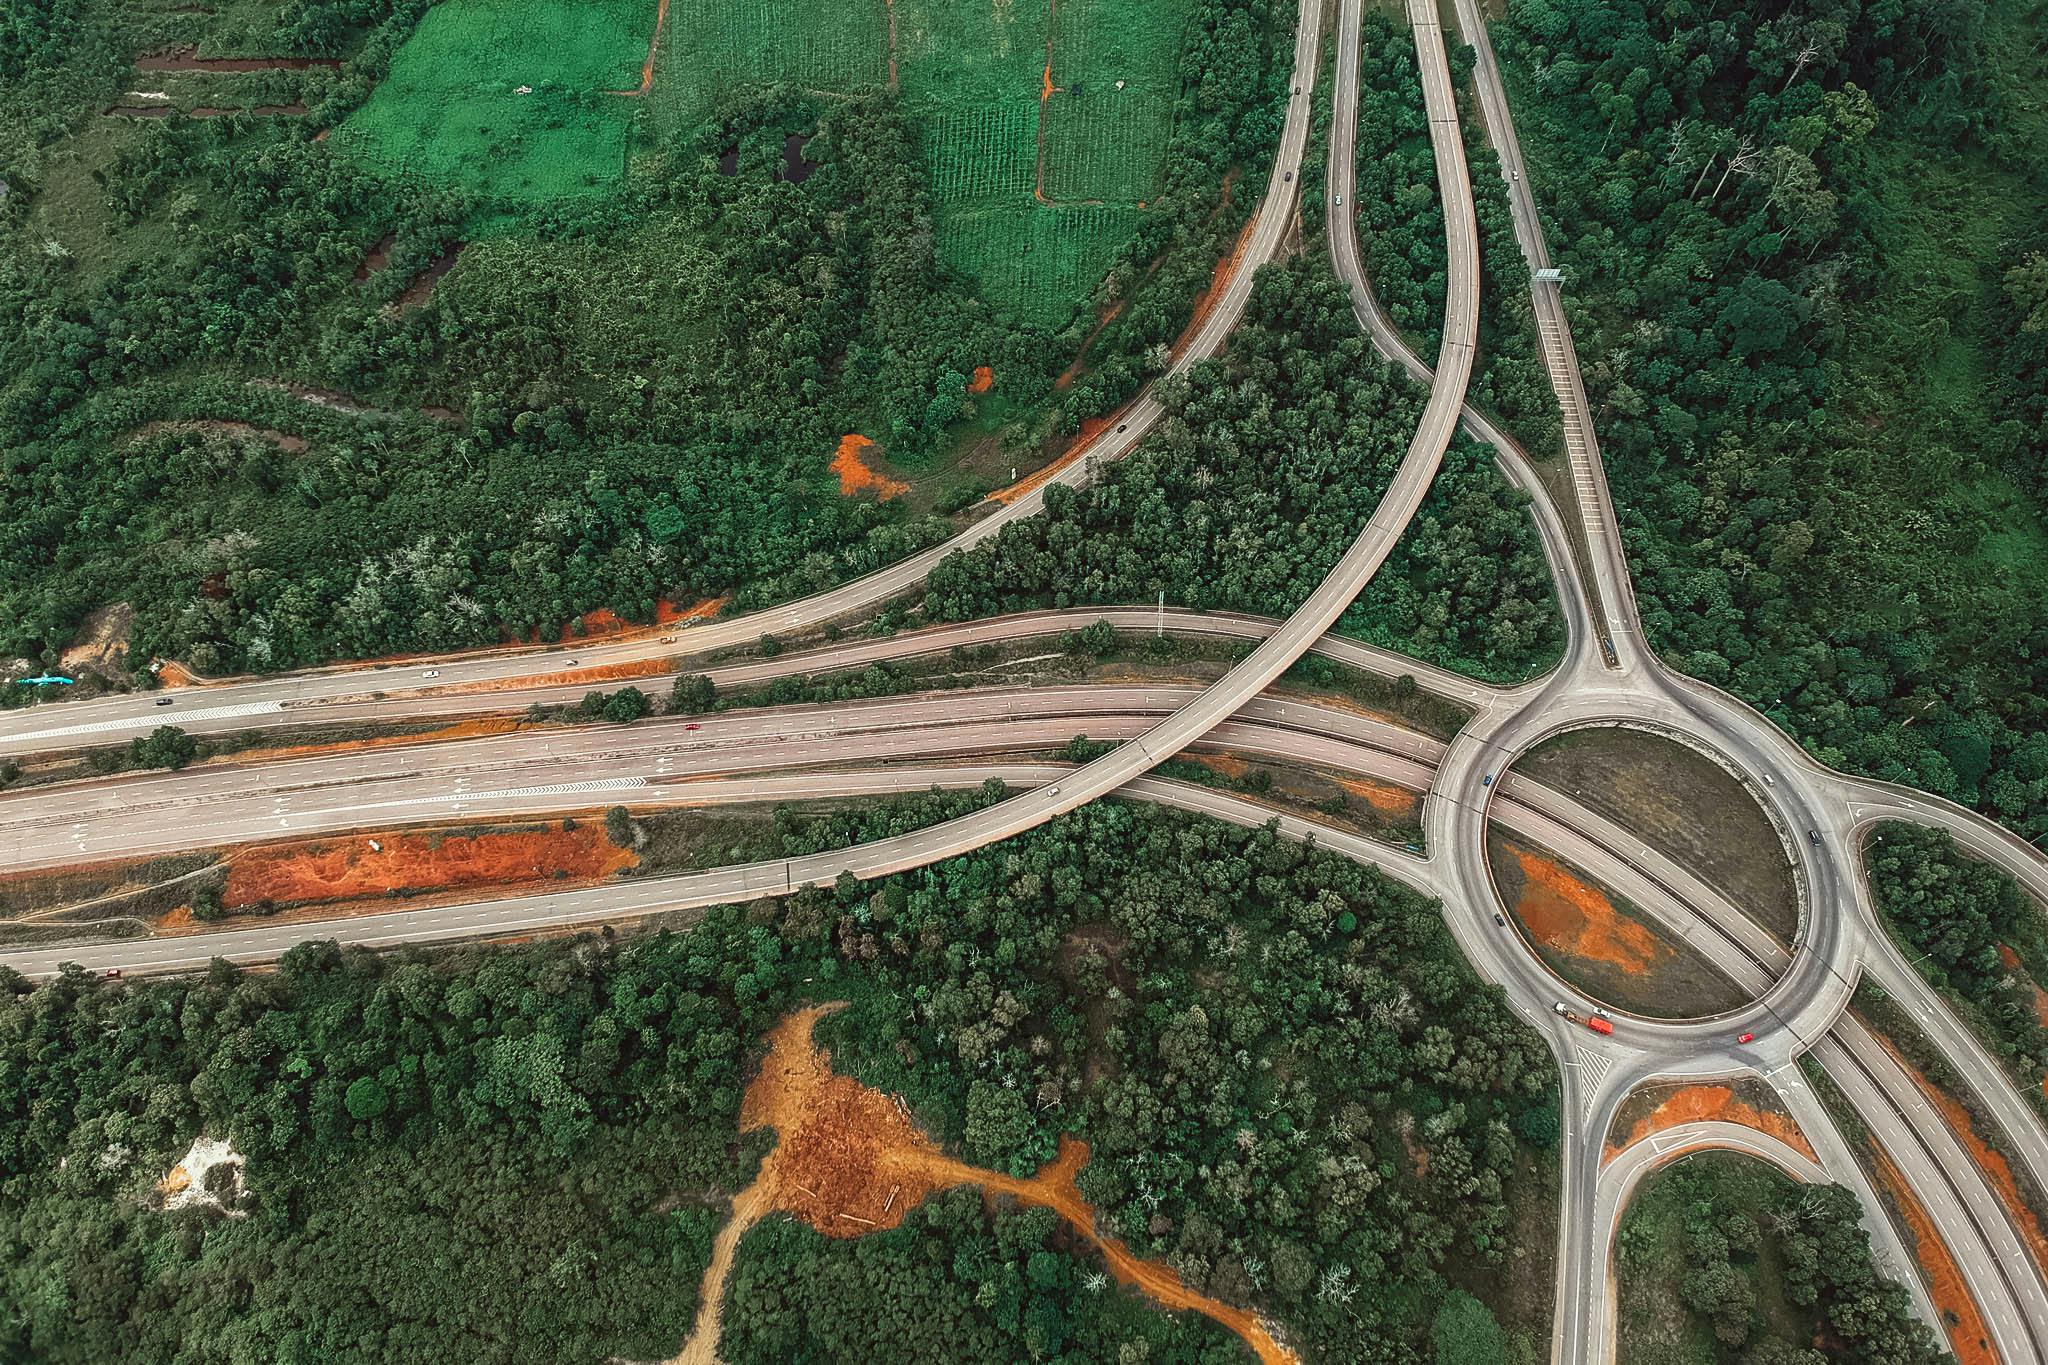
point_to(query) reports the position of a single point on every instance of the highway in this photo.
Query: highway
(1628, 1169)
(1608, 676)
(120, 717)
(1278, 651)
(1840, 927)
(451, 703)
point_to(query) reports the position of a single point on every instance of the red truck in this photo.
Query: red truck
(1598, 1023)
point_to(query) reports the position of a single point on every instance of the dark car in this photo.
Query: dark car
(1813, 837)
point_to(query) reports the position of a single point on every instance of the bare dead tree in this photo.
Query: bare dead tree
(1804, 60)
(1677, 140)
(1712, 157)
(1743, 163)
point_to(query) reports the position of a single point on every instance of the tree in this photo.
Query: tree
(618, 827)
(167, 746)
(693, 694)
(625, 705)
(366, 1098)
(1465, 1332)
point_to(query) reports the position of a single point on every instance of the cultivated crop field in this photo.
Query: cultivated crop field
(511, 99)
(715, 47)
(1043, 128)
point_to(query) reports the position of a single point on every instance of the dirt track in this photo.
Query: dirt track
(850, 1161)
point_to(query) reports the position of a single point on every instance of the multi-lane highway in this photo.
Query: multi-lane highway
(1607, 676)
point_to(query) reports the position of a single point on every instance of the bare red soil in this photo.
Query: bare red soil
(849, 462)
(1384, 797)
(1568, 916)
(848, 1160)
(347, 868)
(1218, 282)
(653, 47)
(1960, 1318)
(1703, 1103)
(1997, 1170)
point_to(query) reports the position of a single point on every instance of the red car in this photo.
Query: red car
(693, 727)
(1747, 1038)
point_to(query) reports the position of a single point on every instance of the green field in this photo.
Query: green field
(1036, 193)
(715, 47)
(1035, 235)
(452, 109)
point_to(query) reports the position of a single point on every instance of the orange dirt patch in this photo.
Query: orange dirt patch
(653, 46)
(349, 869)
(855, 476)
(849, 1161)
(172, 674)
(1568, 916)
(575, 677)
(984, 379)
(1960, 1319)
(1997, 1170)
(1384, 797)
(1704, 1103)
(607, 624)
(1228, 765)
(1218, 282)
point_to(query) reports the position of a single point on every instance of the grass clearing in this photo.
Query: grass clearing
(1039, 262)
(1114, 69)
(513, 103)
(1681, 803)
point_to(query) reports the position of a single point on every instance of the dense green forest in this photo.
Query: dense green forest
(1400, 226)
(1295, 1091)
(1269, 463)
(957, 1282)
(1973, 932)
(1722, 1259)
(613, 400)
(1802, 245)
(1400, 223)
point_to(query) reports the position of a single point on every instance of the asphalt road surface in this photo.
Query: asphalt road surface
(1607, 676)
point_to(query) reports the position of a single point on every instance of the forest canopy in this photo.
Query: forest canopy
(1797, 242)
(1296, 1093)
